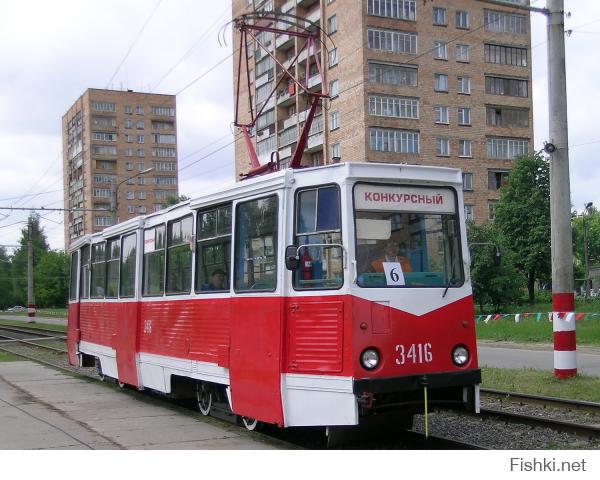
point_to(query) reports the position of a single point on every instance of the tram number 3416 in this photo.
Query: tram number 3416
(414, 353)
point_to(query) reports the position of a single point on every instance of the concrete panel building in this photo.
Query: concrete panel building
(445, 82)
(119, 158)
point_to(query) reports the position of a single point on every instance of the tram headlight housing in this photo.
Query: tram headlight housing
(460, 355)
(369, 359)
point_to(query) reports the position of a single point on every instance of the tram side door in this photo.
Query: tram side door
(257, 309)
(129, 311)
(73, 331)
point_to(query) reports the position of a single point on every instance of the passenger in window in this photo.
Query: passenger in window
(390, 254)
(217, 281)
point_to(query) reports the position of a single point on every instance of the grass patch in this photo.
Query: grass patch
(49, 326)
(528, 330)
(8, 357)
(538, 382)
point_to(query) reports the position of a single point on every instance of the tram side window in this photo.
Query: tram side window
(128, 257)
(256, 245)
(112, 268)
(213, 250)
(318, 222)
(154, 261)
(73, 282)
(98, 285)
(84, 277)
(179, 255)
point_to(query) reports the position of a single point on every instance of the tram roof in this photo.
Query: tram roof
(349, 171)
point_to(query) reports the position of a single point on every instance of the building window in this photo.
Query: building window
(163, 111)
(139, 124)
(334, 88)
(491, 211)
(142, 195)
(103, 221)
(335, 151)
(129, 166)
(440, 50)
(462, 53)
(334, 120)
(386, 74)
(507, 117)
(140, 138)
(104, 150)
(442, 147)
(464, 116)
(128, 138)
(393, 106)
(141, 180)
(128, 109)
(505, 55)
(462, 19)
(332, 24)
(140, 152)
(399, 9)
(506, 148)
(511, 87)
(104, 107)
(467, 181)
(469, 212)
(164, 152)
(442, 114)
(503, 22)
(129, 195)
(165, 180)
(139, 110)
(333, 59)
(464, 148)
(105, 137)
(163, 138)
(128, 123)
(392, 41)
(441, 82)
(141, 209)
(394, 140)
(497, 179)
(463, 85)
(130, 209)
(439, 16)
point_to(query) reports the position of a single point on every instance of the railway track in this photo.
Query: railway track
(315, 439)
(544, 412)
(24, 336)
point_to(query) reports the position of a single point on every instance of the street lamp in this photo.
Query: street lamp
(115, 194)
(586, 259)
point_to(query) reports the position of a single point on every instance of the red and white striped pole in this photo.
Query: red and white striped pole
(563, 326)
(563, 298)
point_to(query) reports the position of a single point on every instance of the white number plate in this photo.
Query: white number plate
(413, 353)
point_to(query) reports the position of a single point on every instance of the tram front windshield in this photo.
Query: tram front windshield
(407, 237)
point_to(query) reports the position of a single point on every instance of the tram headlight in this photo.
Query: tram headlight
(369, 358)
(460, 355)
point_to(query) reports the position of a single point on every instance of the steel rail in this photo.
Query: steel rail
(525, 398)
(31, 341)
(580, 430)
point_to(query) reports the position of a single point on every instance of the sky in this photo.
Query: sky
(51, 52)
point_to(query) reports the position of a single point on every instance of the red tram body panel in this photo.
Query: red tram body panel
(344, 292)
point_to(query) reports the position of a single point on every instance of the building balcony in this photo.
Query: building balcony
(288, 136)
(315, 142)
(288, 6)
(304, 53)
(286, 152)
(284, 98)
(305, 3)
(264, 78)
(314, 81)
(290, 122)
(284, 41)
(313, 17)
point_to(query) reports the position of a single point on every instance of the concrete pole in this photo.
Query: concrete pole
(563, 298)
(586, 259)
(30, 296)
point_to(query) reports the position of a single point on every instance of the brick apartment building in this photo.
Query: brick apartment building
(429, 82)
(109, 137)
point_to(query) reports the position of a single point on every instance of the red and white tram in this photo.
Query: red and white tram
(320, 296)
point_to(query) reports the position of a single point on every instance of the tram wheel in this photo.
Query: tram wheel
(251, 424)
(121, 384)
(204, 398)
(99, 369)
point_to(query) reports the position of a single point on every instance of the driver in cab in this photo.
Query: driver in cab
(390, 254)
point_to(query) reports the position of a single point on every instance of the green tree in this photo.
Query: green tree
(591, 220)
(523, 217)
(498, 285)
(52, 280)
(19, 259)
(6, 287)
(173, 200)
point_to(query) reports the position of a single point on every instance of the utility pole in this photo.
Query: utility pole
(563, 298)
(30, 296)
